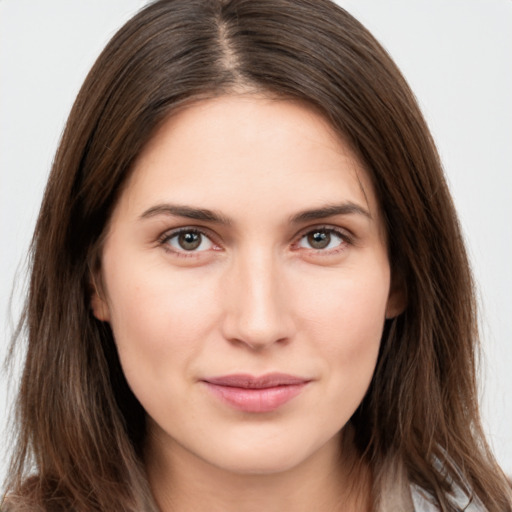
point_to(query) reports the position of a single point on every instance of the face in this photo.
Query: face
(246, 280)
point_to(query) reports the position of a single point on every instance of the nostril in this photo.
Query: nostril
(259, 340)
(261, 344)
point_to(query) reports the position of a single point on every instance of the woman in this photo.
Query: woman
(258, 297)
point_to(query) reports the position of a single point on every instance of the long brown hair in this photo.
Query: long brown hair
(80, 429)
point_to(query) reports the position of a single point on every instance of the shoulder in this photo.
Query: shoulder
(422, 502)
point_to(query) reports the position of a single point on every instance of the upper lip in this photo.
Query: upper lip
(247, 381)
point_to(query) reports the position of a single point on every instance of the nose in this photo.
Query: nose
(257, 313)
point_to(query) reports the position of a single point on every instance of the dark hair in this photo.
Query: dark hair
(79, 426)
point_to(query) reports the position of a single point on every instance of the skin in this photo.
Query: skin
(258, 295)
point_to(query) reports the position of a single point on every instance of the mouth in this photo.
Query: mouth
(248, 393)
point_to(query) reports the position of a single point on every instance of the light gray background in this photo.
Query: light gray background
(456, 54)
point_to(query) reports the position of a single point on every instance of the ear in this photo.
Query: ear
(397, 298)
(99, 304)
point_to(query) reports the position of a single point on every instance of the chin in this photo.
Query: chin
(258, 463)
(267, 457)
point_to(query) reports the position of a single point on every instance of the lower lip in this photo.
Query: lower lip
(256, 400)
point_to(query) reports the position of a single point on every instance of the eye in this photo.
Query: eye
(322, 239)
(188, 240)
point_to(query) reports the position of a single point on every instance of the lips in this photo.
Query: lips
(248, 393)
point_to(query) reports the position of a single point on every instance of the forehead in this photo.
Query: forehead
(249, 149)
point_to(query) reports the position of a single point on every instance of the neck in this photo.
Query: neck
(331, 480)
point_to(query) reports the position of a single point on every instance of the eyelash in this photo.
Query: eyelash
(169, 235)
(346, 239)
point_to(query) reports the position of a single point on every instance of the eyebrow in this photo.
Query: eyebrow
(348, 208)
(204, 214)
(187, 212)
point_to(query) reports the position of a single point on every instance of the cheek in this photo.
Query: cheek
(160, 330)
(346, 320)
(159, 318)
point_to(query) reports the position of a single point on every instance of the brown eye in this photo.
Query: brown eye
(323, 239)
(188, 240)
(319, 239)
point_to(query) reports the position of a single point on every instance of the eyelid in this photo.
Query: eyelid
(344, 234)
(171, 233)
